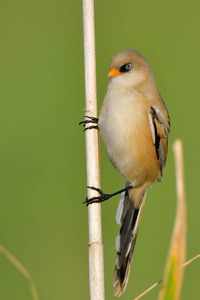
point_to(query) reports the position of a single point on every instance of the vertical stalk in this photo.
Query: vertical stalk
(96, 265)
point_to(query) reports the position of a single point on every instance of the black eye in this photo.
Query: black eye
(126, 68)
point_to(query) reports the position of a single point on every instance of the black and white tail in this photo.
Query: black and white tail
(129, 217)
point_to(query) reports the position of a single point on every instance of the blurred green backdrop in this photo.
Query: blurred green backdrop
(42, 150)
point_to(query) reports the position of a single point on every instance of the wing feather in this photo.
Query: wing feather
(159, 131)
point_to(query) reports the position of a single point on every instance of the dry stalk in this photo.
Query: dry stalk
(23, 270)
(96, 264)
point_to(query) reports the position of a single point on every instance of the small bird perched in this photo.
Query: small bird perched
(134, 124)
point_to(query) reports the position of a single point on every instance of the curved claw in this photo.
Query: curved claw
(92, 120)
(95, 199)
(95, 189)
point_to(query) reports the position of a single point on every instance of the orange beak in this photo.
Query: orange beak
(113, 73)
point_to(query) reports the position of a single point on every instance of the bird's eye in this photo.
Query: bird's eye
(128, 66)
(125, 68)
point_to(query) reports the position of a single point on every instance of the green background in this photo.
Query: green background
(42, 148)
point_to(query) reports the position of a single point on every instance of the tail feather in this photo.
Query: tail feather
(123, 206)
(125, 241)
(126, 233)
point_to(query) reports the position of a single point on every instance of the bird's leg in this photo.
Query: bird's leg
(91, 120)
(103, 197)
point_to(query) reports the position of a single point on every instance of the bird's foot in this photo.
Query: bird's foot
(91, 120)
(103, 197)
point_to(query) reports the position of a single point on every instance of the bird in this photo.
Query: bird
(134, 124)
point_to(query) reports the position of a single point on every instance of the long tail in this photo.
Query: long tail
(130, 218)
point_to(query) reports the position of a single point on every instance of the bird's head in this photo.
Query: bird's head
(128, 68)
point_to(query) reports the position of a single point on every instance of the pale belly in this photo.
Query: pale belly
(126, 133)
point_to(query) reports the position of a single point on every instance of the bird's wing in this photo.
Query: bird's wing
(160, 126)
